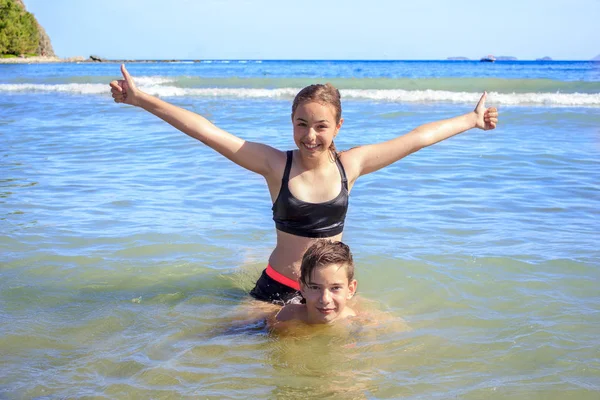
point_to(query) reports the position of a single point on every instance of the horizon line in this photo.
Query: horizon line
(331, 59)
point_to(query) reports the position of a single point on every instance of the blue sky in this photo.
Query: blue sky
(321, 29)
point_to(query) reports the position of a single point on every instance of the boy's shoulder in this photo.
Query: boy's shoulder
(291, 312)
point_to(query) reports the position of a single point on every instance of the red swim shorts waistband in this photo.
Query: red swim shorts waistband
(284, 280)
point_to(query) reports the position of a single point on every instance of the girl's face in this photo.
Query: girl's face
(326, 293)
(314, 128)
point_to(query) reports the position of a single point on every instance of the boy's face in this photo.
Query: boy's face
(326, 293)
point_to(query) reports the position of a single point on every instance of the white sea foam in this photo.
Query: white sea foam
(153, 80)
(75, 88)
(159, 86)
(170, 91)
(423, 96)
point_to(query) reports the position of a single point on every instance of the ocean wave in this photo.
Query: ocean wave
(75, 88)
(423, 96)
(158, 86)
(153, 80)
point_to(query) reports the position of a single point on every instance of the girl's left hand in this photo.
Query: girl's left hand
(487, 118)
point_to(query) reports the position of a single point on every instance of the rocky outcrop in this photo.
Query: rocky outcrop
(97, 58)
(44, 44)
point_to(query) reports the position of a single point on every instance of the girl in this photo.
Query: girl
(309, 186)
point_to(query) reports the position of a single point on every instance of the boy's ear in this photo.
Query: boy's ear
(352, 288)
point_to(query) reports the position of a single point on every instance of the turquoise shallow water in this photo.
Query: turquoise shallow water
(126, 247)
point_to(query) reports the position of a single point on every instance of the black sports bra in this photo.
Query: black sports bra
(314, 220)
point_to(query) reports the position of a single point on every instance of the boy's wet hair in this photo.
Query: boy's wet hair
(323, 253)
(325, 94)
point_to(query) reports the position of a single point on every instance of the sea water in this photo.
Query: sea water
(126, 246)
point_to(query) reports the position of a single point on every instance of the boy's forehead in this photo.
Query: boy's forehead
(329, 272)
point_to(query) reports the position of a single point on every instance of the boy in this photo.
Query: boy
(326, 283)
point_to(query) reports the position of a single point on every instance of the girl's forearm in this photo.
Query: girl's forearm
(434, 132)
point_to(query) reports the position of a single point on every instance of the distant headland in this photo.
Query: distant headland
(80, 59)
(21, 34)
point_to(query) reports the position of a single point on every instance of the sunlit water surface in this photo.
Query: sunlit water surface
(127, 248)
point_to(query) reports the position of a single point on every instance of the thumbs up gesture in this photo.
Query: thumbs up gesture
(124, 90)
(487, 118)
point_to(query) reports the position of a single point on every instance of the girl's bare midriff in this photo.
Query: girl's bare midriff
(287, 256)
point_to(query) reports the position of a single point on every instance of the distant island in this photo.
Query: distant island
(597, 58)
(544, 59)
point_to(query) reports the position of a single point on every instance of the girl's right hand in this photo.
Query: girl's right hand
(124, 90)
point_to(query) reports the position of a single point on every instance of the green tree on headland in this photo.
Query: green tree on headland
(18, 29)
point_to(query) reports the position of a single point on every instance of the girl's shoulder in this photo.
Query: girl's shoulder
(350, 161)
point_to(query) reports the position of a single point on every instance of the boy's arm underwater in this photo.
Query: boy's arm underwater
(363, 160)
(255, 157)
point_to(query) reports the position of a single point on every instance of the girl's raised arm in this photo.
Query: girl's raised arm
(255, 157)
(366, 159)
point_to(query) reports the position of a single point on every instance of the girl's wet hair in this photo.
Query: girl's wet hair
(325, 94)
(323, 253)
